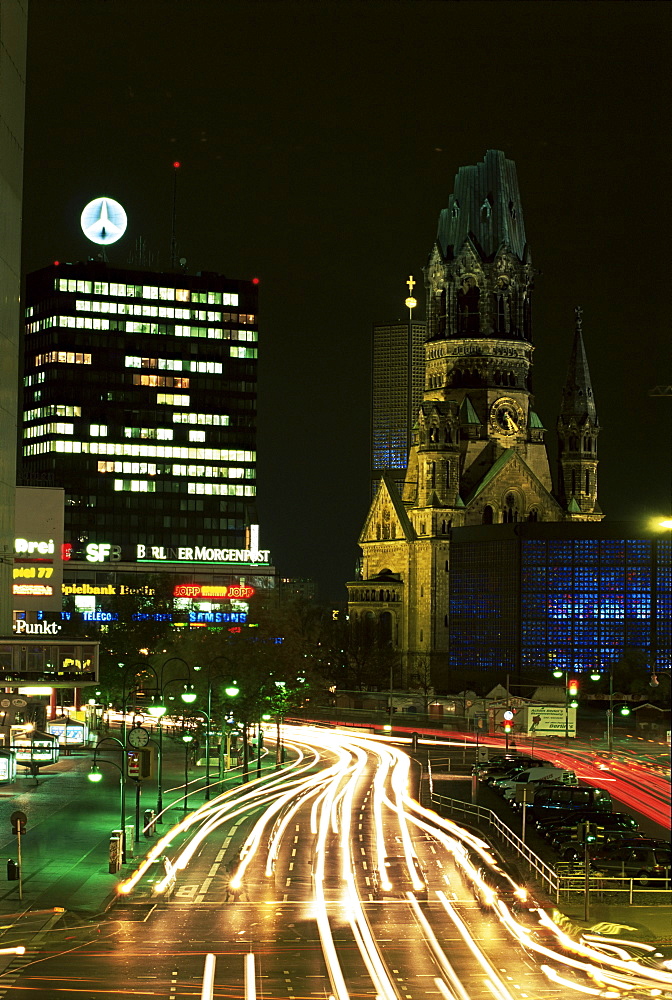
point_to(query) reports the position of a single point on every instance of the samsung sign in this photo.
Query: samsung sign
(198, 553)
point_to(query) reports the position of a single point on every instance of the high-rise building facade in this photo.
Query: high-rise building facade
(397, 377)
(13, 29)
(140, 400)
(478, 454)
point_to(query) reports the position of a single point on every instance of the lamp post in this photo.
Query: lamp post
(186, 739)
(571, 697)
(139, 667)
(158, 710)
(596, 676)
(95, 775)
(231, 691)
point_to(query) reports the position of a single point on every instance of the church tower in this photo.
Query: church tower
(578, 428)
(478, 455)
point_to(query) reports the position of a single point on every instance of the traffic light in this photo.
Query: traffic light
(586, 833)
(139, 763)
(573, 692)
(508, 721)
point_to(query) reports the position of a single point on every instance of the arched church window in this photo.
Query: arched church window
(510, 509)
(378, 532)
(455, 210)
(587, 486)
(573, 443)
(573, 482)
(468, 314)
(442, 313)
(488, 515)
(533, 515)
(385, 629)
(512, 211)
(486, 211)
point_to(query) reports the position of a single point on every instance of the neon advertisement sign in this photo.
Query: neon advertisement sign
(195, 591)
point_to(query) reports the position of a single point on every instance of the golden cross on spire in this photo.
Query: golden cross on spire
(411, 284)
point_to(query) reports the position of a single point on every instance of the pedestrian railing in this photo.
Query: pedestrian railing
(481, 815)
(565, 877)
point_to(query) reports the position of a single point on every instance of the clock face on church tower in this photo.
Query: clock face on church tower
(506, 416)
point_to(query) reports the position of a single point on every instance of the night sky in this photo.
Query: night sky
(319, 142)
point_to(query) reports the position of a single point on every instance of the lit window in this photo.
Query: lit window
(98, 430)
(62, 357)
(197, 435)
(172, 400)
(244, 353)
(182, 294)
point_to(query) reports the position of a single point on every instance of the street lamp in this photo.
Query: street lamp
(157, 710)
(231, 691)
(95, 775)
(186, 739)
(596, 676)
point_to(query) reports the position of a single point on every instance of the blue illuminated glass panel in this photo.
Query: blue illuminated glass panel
(587, 601)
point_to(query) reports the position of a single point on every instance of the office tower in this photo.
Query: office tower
(13, 27)
(397, 370)
(140, 400)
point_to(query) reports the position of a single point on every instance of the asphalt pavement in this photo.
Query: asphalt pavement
(70, 820)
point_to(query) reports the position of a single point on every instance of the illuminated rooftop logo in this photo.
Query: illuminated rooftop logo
(104, 221)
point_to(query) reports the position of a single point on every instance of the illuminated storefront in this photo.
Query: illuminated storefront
(528, 598)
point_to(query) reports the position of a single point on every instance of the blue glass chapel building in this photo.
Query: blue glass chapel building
(527, 599)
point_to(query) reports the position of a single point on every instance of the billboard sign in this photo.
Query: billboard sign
(38, 562)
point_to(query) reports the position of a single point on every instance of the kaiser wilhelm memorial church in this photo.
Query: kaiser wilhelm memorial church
(467, 562)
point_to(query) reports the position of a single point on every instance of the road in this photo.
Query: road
(318, 907)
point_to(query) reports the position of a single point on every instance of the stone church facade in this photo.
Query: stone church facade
(479, 453)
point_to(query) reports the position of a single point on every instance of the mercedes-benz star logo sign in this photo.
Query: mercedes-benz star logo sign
(103, 221)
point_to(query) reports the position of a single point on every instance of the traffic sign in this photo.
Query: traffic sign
(18, 820)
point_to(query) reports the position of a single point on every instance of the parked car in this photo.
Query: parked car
(612, 828)
(497, 760)
(498, 768)
(556, 803)
(504, 773)
(549, 826)
(641, 863)
(534, 774)
(397, 881)
(606, 850)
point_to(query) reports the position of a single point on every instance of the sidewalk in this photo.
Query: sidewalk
(65, 848)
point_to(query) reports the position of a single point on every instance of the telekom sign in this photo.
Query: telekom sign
(193, 591)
